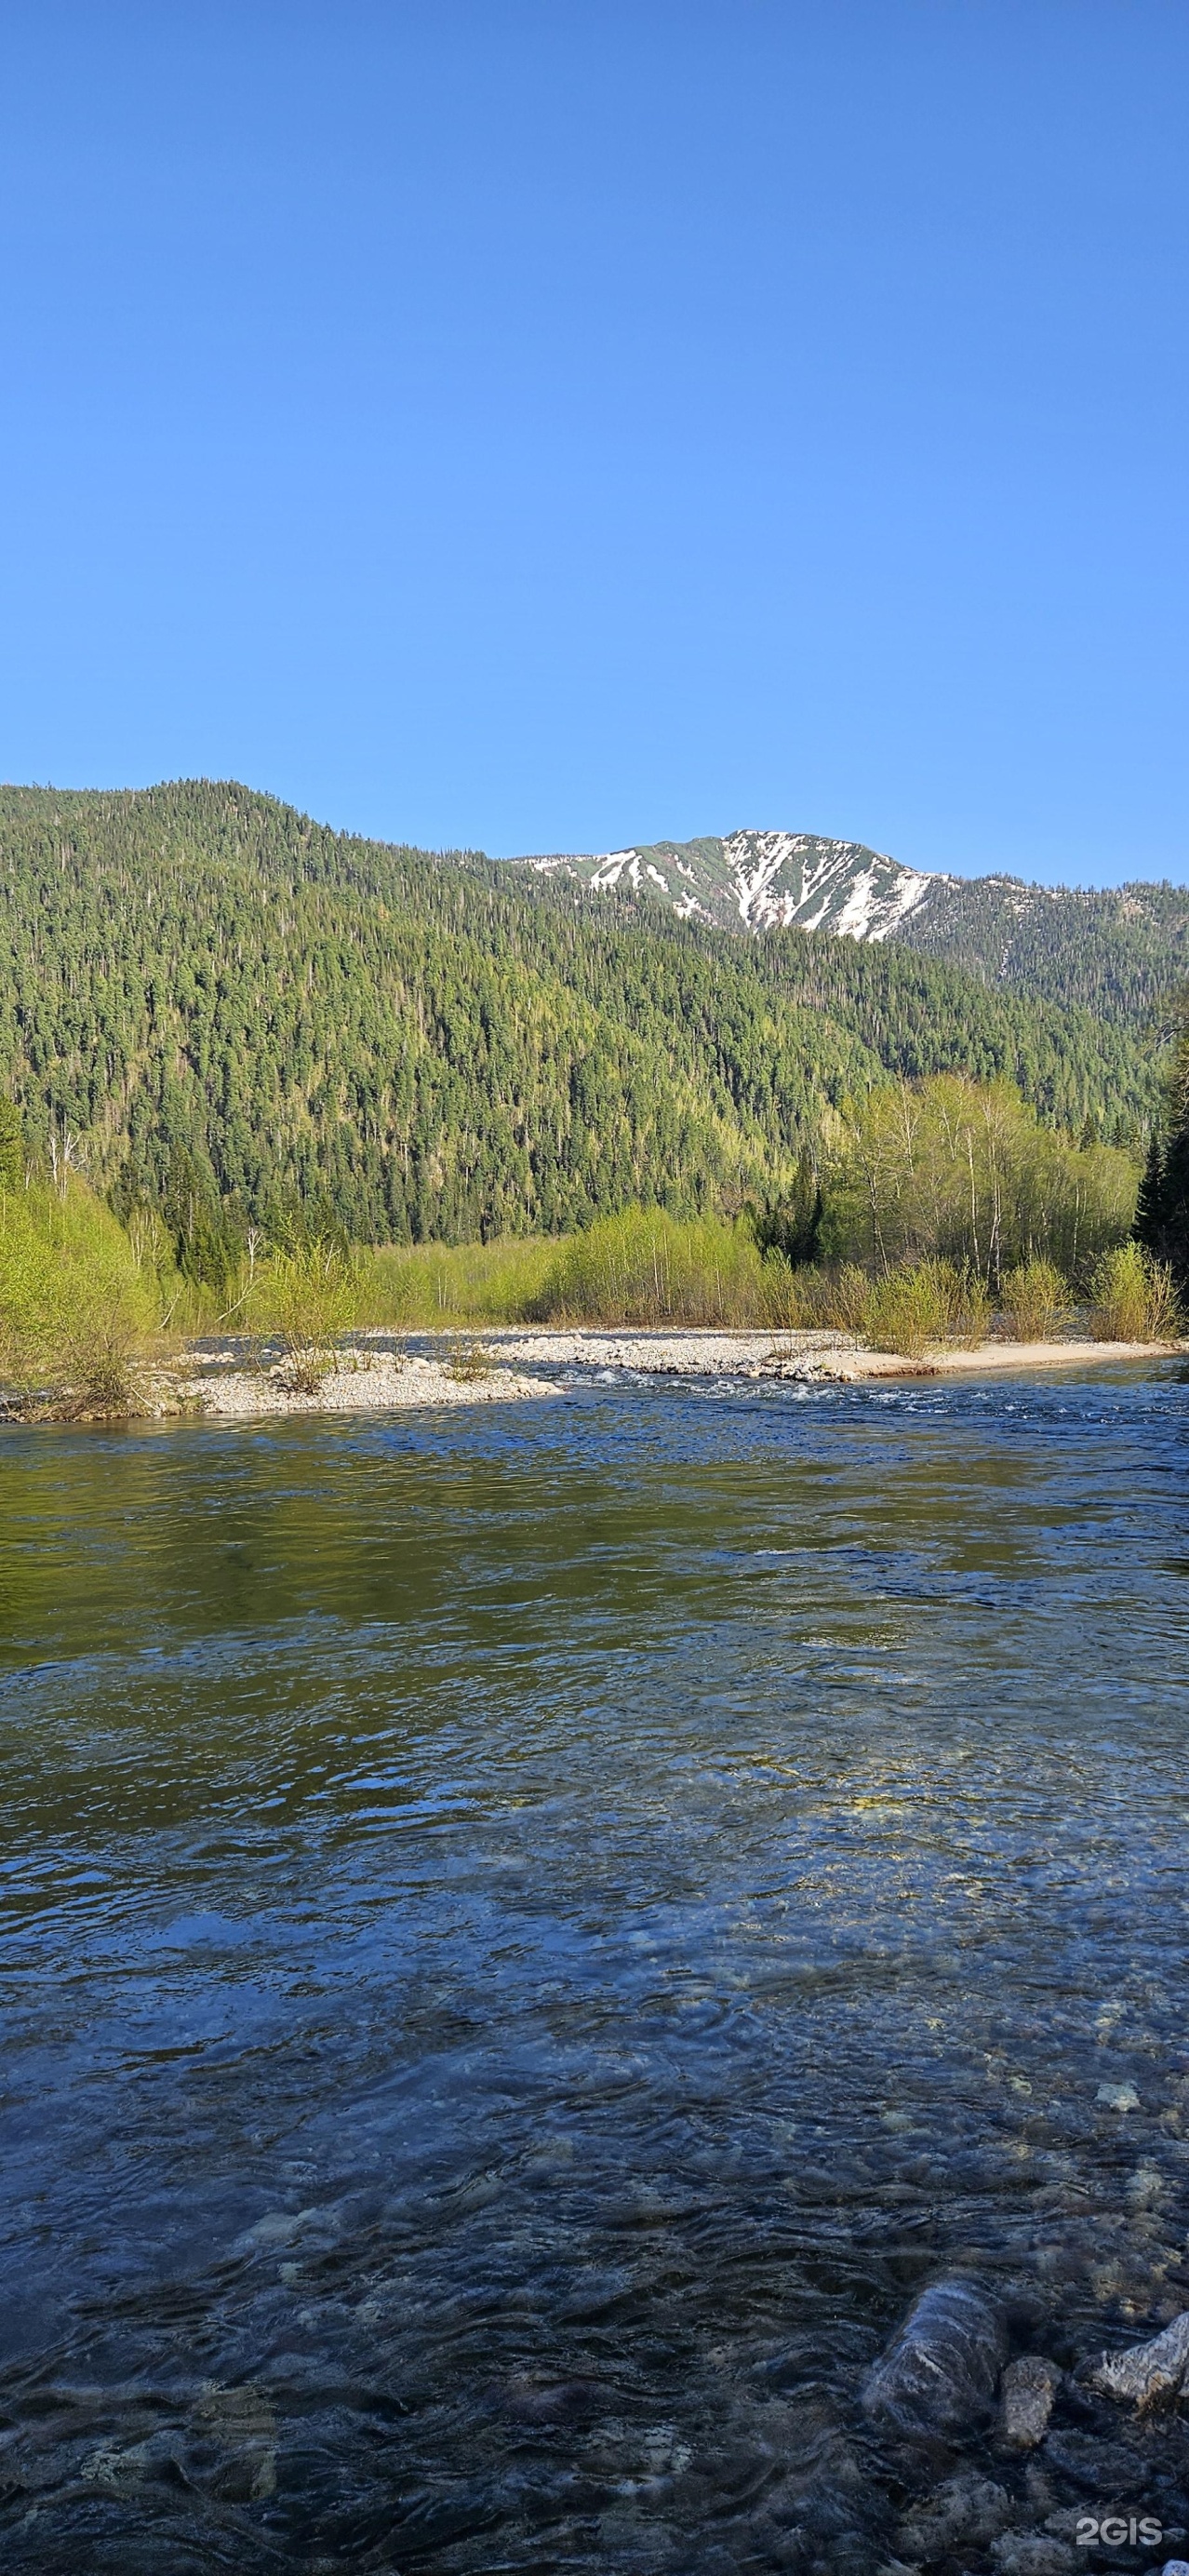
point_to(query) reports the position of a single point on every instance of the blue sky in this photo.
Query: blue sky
(543, 424)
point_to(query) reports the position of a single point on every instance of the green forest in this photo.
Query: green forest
(212, 1006)
(1121, 951)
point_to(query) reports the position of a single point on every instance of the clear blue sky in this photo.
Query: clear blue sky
(549, 423)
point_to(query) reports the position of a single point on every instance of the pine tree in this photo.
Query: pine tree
(12, 1160)
(1162, 1211)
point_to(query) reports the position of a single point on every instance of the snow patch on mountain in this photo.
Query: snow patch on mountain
(758, 881)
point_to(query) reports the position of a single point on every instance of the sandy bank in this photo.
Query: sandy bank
(808, 1356)
(997, 1356)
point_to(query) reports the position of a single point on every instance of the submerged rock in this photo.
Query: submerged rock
(1032, 2553)
(966, 2511)
(1026, 2393)
(940, 2373)
(1117, 2097)
(1148, 2372)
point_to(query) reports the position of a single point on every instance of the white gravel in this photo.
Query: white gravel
(377, 1379)
(371, 1382)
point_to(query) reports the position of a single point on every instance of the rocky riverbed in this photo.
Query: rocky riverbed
(1078, 2463)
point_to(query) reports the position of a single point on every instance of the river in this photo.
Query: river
(531, 1934)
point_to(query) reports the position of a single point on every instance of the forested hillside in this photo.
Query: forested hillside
(1122, 952)
(208, 991)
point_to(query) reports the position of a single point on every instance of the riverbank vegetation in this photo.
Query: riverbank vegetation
(75, 1305)
(944, 1210)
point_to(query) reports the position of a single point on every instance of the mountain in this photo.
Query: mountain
(755, 881)
(1121, 952)
(211, 993)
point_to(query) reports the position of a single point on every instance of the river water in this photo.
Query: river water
(531, 1934)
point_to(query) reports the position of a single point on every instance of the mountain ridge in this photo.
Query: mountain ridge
(1121, 951)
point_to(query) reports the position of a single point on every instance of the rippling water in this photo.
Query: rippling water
(530, 1936)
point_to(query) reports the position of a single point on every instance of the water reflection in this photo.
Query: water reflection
(528, 1939)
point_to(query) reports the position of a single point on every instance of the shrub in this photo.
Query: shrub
(1034, 1298)
(906, 1311)
(644, 1267)
(435, 1284)
(929, 1302)
(468, 1359)
(1132, 1296)
(308, 1298)
(74, 1307)
(846, 1297)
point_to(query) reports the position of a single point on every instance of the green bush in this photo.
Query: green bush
(925, 1303)
(430, 1286)
(74, 1307)
(1033, 1300)
(468, 1359)
(645, 1268)
(845, 1296)
(308, 1298)
(1132, 1296)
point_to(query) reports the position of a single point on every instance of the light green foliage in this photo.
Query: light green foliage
(307, 1297)
(1133, 1297)
(428, 1285)
(73, 1303)
(643, 1268)
(923, 1304)
(834, 1300)
(1034, 1298)
(235, 1008)
(947, 1168)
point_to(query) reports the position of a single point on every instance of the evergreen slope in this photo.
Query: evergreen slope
(1121, 953)
(442, 1047)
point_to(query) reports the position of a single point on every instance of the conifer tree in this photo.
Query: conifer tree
(12, 1161)
(1162, 1212)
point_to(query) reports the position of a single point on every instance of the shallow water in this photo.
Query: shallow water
(530, 1936)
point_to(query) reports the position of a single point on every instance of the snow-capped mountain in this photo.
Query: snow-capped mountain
(1121, 951)
(758, 881)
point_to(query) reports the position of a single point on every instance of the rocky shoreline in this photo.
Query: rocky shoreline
(376, 1376)
(381, 1371)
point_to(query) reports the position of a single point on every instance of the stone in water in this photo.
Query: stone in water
(1026, 2393)
(940, 2373)
(1149, 2371)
